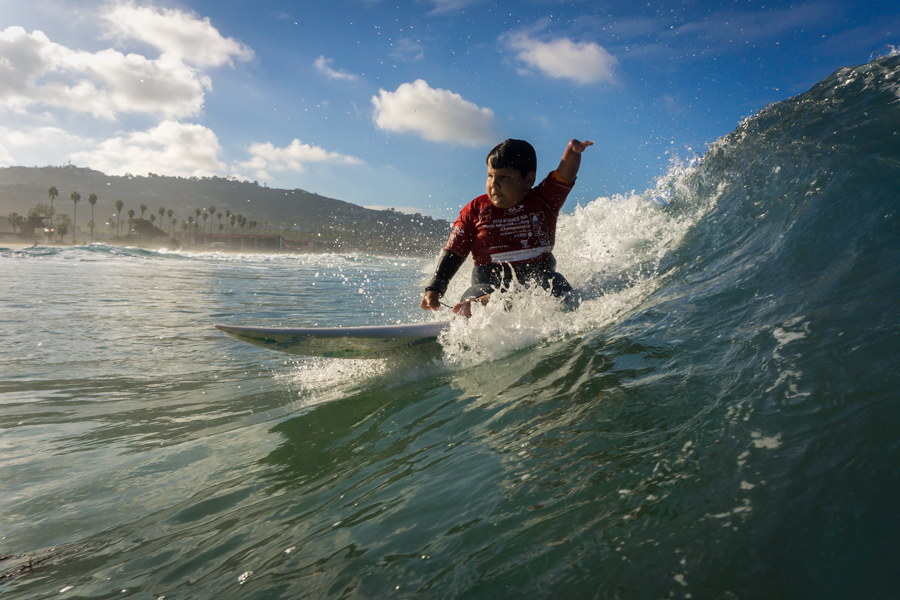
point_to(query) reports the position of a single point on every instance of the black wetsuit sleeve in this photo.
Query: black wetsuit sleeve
(446, 269)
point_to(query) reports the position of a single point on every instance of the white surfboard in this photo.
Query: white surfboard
(338, 342)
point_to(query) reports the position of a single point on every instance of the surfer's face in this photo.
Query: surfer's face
(507, 187)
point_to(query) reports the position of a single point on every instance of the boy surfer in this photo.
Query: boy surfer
(510, 231)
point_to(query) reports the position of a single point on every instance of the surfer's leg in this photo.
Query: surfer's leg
(486, 279)
(492, 274)
(477, 291)
(562, 290)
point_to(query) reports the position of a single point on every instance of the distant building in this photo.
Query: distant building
(39, 223)
(26, 232)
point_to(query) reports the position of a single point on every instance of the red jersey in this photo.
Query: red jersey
(523, 233)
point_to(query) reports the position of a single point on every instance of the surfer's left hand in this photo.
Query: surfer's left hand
(465, 308)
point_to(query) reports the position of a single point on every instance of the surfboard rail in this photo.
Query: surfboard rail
(375, 341)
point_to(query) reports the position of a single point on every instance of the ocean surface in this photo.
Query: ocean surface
(720, 419)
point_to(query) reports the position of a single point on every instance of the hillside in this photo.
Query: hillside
(293, 213)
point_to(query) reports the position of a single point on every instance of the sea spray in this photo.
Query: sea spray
(610, 250)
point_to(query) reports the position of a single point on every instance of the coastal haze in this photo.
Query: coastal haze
(397, 105)
(312, 221)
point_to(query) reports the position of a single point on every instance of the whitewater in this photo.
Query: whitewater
(718, 418)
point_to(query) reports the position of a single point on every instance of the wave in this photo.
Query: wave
(744, 336)
(96, 250)
(724, 401)
(718, 419)
(794, 211)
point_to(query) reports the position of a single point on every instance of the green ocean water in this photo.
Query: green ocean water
(717, 420)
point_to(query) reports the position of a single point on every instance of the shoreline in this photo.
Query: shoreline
(21, 245)
(248, 250)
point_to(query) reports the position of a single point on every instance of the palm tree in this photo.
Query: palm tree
(169, 214)
(92, 200)
(63, 227)
(212, 213)
(119, 205)
(219, 217)
(227, 215)
(130, 220)
(161, 212)
(13, 219)
(143, 209)
(53, 193)
(232, 219)
(76, 198)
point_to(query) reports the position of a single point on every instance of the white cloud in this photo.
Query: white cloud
(436, 115)
(6, 158)
(175, 33)
(451, 6)
(584, 62)
(171, 148)
(39, 78)
(294, 157)
(37, 71)
(34, 70)
(324, 65)
(28, 145)
(408, 50)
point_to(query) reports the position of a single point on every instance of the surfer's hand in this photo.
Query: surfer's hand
(465, 308)
(571, 160)
(579, 147)
(431, 301)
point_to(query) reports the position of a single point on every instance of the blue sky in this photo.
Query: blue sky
(397, 103)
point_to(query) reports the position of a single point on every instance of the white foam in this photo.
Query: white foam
(317, 380)
(610, 250)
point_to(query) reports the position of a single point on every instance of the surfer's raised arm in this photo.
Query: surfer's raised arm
(510, 230)
(571, 160)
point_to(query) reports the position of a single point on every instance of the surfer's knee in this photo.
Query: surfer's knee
(477, 291)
